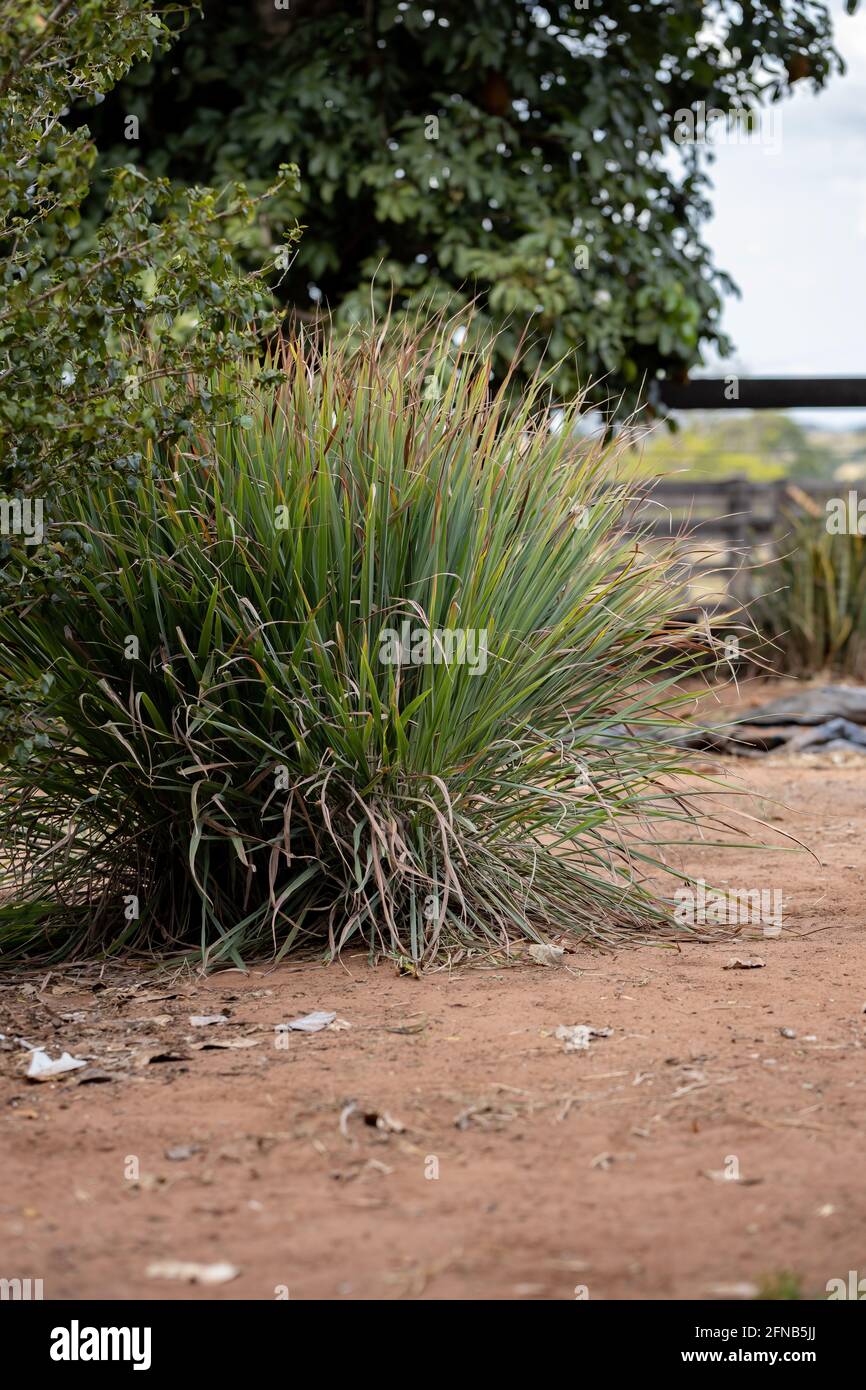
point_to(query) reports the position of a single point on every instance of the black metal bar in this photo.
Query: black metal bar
(763, 393)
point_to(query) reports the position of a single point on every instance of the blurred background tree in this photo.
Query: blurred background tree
(762, 445)
(516, 153)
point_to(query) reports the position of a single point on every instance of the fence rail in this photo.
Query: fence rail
(762, 393)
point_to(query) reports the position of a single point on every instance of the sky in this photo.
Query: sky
(789, 225)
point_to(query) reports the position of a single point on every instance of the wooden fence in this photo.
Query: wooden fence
(733, 521)
(727, 526)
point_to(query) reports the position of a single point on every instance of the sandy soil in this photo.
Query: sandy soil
(522, 1171)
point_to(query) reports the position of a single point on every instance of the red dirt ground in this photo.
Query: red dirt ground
(566, 1171)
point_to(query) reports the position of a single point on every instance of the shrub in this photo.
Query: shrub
(108, 334)
(216, 747)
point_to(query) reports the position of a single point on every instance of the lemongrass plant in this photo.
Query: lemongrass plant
(379, 663)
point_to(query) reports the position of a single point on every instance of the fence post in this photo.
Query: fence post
(740, 508)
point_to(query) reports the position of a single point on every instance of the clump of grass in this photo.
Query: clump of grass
(812, 609)
(232, 764)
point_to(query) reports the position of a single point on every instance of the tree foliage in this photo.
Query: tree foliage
(493, 148)
(107, 332)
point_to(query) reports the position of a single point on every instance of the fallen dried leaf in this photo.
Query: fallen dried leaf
(546, 955)
(384, 1122)
(309, 1023)
(179, 1152)
(722, 1175)
(148, 1056)
(192, 1273)
(45, 1068)
(577, 1037)
(345, 1115)
(734, 1290)
(408, 1027)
